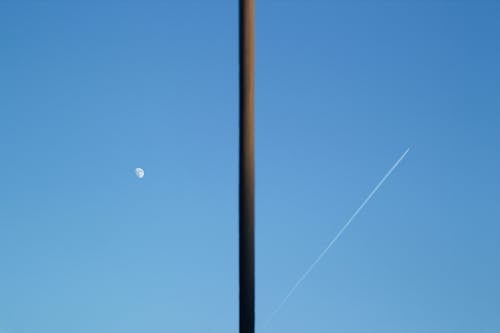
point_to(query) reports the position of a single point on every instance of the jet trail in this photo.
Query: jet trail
(318, 259)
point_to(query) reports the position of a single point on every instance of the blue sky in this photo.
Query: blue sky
(90, 91)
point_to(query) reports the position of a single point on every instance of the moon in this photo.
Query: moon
(139, 173)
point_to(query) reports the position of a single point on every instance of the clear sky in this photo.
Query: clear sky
(91, 90)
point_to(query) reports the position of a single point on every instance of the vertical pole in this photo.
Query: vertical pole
(246, 167)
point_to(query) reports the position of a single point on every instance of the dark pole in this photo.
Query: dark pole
(246, 182)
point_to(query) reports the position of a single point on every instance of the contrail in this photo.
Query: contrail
(318, 259)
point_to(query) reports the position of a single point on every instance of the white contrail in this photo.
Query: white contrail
(306, 273)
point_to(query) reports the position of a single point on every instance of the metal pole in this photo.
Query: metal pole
(246, 168)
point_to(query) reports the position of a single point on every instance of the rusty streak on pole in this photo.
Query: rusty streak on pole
(246, 181)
